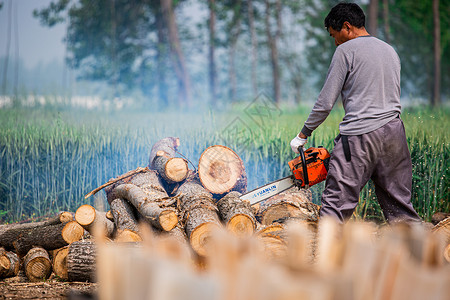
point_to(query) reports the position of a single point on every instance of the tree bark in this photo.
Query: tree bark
(123, 215)
(49, 237)
(92, 220)
(236, 214)
(9, 264)
(198, 213)
(184, 84)
(37, 264)
(59, 262)
(146, 202)
(221, 171)
(81, 261)
(292, 204)
(436, 92)
(211, 54)
(373, 17)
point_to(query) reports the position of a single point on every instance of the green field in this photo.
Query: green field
(50, 158)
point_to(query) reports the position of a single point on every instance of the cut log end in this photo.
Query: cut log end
(201, 236)
(85, 214)
(5, 264)
(168, 219)
(447, 253)
(127, 236)
(241, 225)
(60, 263)
(220, 169)
(177, 169)
(65, 217)
(37, 265)
(72, 232)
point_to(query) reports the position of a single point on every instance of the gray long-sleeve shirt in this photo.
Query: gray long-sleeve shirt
(365, 71)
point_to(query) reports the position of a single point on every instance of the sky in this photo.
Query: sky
(36, 43)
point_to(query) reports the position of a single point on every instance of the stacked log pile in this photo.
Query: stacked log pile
(166, 219)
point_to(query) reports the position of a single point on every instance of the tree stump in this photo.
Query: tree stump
(294, 203)
(123, 215)
(92, 219)
(148, 198)
(81, 261)
(49, 237)
(59, 262)
(199, 213)
(236, 214)
(221, 171)
(37, 264)
(9, 264)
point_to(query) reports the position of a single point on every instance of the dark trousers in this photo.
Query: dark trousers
(381, 155)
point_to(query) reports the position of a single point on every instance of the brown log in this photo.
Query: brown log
(49, 237)
(127, 236)
(147, 201)
(92, 219)
(438, 217)
(221, 171)
(9, 264)
(11, 232)
(81, 261)
(199, 213)
(237, 214)
(37, 264)
(169, 145)
(123, 215)
(171, 169)
(109, 215)
(59, 262)
(294, 203)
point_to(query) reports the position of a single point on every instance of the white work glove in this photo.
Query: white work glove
(297, 142)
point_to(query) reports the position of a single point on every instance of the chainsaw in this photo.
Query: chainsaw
(308, 169)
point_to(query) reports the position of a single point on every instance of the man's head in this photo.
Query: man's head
(345, 21)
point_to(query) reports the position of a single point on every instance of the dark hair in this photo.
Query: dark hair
(342, 12)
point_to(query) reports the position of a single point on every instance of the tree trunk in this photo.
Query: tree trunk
(436, 93)
(37, 264)
(184, 84)
(212, 46)
(11, 232)
(387, 28)
(9, 264)
(8, 44)
(92, 220)
(237, 214)
(146, 202)
(273, 44)
(81, 261)
(59, 262)
(373, 17)
(161, 58)
(234, 32)
(123, 215)
(291, 204)
(49, 237)
(251, 24)
(221, 171)
(198, 213)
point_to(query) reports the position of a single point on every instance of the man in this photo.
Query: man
(365, 71)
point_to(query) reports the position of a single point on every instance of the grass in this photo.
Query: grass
(50, 158)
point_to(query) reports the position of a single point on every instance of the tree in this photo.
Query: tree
(373, 17)
(211, 56)
(436, 92)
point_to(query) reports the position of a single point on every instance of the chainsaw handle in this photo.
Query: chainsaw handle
(304, 167)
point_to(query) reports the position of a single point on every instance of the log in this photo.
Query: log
(168, 145)
(198, 213)
(109, 215)
(81, 261)
(171, 169)
(59, 262)
(127, 236)
(49, 237)
(273, 239)
(146, 202)
(9, 264)
(438, 217)
(92, 219)
(11, 232)
(236, 214)
(37, 264)
(443, 227)
(294, 203)
(123, 215)
(221, 171)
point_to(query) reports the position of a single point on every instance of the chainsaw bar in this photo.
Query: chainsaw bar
(266, 191)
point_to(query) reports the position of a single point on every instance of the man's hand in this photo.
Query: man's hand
(298, 142)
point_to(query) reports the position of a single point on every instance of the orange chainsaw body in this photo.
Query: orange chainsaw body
(316, 161)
